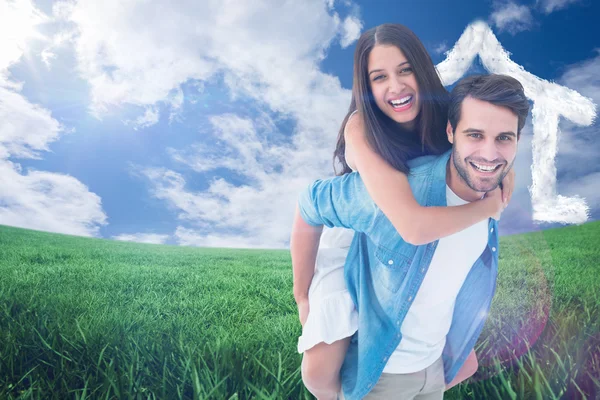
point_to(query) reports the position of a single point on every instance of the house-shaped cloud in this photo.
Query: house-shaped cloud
(550, 101)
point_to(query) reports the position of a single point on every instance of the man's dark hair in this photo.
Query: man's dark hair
(500, 90)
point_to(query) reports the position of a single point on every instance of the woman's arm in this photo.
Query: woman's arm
(304, 244)
(390, 190)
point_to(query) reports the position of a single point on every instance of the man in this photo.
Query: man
(422, 308)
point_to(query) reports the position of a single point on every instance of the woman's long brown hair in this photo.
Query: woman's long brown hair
(388, 138)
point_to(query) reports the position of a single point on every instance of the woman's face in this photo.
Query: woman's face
(393, 84)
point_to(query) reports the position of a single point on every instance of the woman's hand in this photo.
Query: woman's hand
(303, 309)
(508, 185)
(499, 197)
(494, 199)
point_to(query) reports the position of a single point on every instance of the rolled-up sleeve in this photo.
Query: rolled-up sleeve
(341, 201)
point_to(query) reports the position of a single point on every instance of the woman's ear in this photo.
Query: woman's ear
(449, 132)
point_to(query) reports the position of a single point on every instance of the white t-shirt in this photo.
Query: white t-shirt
(429, 317)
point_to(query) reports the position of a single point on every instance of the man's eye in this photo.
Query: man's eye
(475, 135)
(504, 138)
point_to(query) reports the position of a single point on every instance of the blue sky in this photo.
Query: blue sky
(198, 123)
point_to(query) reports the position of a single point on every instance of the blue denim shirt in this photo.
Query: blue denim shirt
(383, 272)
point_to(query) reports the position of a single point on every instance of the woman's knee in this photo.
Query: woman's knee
(319, 376)
(315, 374)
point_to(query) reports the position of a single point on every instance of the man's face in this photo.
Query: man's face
(484, 145)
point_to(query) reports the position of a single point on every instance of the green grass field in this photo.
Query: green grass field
(91, 318)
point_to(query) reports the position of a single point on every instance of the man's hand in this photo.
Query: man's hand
(303, 309)
(467, 370)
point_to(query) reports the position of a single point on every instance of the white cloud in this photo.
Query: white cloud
(190, 237)
(130, 54)
(18, 21)
(35, 199)
(58, 41)
(263, 218)
(241, 145)
(47, 55)
(577, 159)
(350, 31)
(441, 48)
(587, 187)
(585, 77)
(176, 101)
(152, 238)
(512, 17)
(26, 128)
(62, 10)
(48, 201)
(190, 40)
(150, 117)
(549, 6)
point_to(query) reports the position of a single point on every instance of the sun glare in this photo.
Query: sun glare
(18, 21)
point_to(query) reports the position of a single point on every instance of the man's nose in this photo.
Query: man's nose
(489, 150)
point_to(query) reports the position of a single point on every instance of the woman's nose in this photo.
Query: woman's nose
(396, 85)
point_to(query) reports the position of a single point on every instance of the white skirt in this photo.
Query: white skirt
(332, 315)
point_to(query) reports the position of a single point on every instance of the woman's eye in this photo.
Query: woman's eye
(378, 77)
(406, 70)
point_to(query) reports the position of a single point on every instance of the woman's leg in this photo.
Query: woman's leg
(321, 366)
(468, 369)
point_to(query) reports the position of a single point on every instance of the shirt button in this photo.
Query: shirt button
(370, 384)
(391, 262)
(385, 359)
(493, 249)
(409, 298)
(398, 323)
(492, 230)
(422, 269)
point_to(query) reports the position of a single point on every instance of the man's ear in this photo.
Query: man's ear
(449, 132)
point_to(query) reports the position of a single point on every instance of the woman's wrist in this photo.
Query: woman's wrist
(300, 296)
(489, 206)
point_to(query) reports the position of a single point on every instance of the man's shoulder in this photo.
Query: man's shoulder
(353, 176)
(349, 182)
(424, 164)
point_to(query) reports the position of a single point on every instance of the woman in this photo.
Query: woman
(398, 112)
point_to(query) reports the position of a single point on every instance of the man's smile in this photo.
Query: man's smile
(485, 169)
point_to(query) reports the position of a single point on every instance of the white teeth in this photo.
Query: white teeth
(402, 101)
(484, 168)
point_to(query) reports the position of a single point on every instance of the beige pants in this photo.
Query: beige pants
(427, 384)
